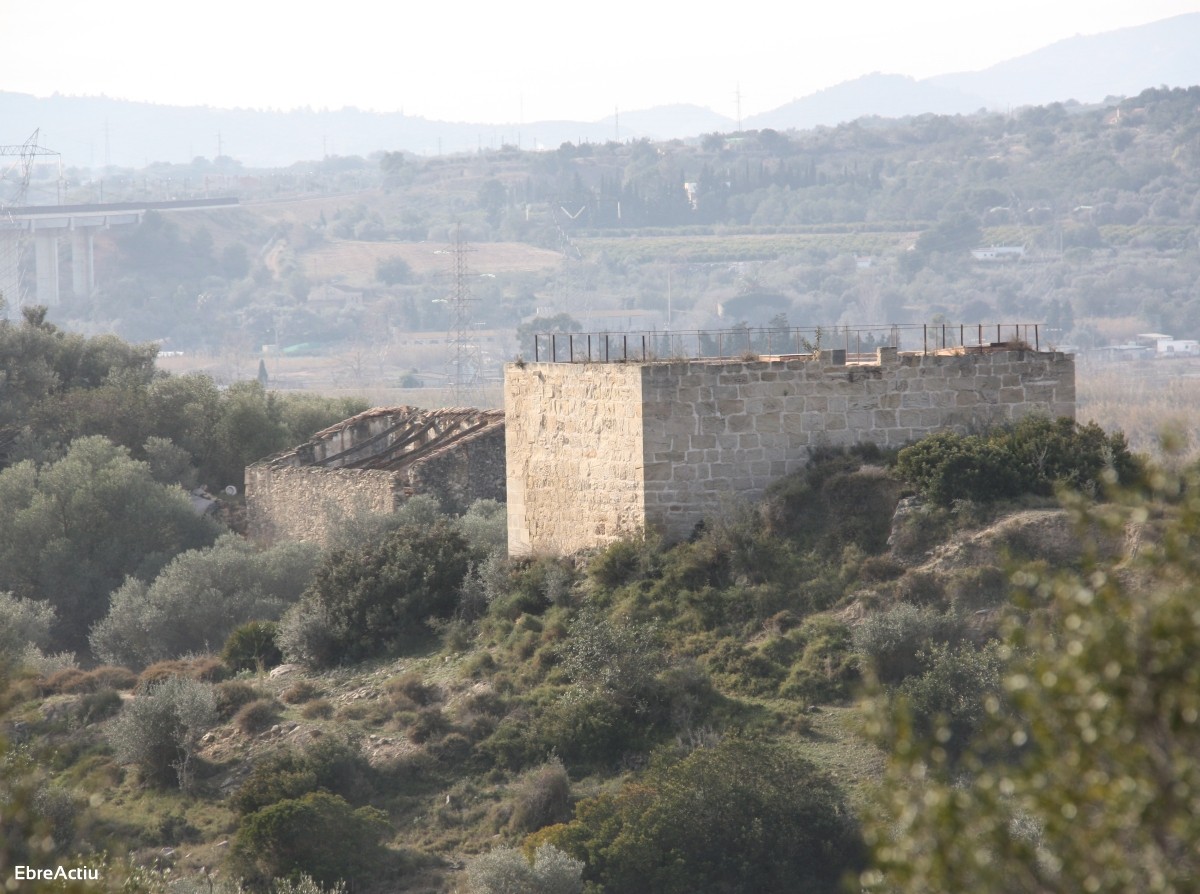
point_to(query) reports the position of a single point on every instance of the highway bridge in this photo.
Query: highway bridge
(46, 225)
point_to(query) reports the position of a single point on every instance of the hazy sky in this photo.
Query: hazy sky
(511, 62)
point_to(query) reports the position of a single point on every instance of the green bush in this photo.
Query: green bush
(97, 706)
(370, 598)
(23, 622)
(742, 816)
(159, 731)
(623, 561)
(827, 666)
(1032, 456)
(332, 763)
(506, 871)
(201, 597)
(891, 641)
(252, 647)
(946, 702)
(319, 835)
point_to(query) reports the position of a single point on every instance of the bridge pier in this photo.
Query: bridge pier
(45, 255)
(10, 271)
(83, 266)
(46, 224)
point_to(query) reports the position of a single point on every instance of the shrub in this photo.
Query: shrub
(199, 599)
(543, 797)
(891, 641)
(160, 729)
(23, 622)
(73, 680)
(257, 716)
(1031, 456)
(428, 723)
(318, 834)
(485, 526)
(300, 692)
(946, 702)
(411, 688)
(318, 709)
(741, 816)
(378, 594)
(827, 665)
(622, 561)
(306, 636)
(252, 647)
(205, 668)
(232, 695)
(506, 871)
(333, 764)
(97, 706)
(60, 810)
(277, 777)
(972, 589)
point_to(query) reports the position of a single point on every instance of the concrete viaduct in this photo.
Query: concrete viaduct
(47, 224)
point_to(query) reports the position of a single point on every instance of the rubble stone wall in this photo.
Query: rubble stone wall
(307, 502)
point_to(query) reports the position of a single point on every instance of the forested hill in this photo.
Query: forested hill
(871, 221)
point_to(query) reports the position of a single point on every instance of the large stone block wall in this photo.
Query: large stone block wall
(573, 448)
(662, 445)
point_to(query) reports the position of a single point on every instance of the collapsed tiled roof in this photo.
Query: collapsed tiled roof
(390, 438)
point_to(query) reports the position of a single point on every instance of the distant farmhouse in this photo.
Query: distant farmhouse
(999, 253)
(587, 452)
(374, 461)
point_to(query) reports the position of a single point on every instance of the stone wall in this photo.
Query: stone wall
(596, 451)
(462, 473)
(306, 502)
(573, 447)
(373, 462)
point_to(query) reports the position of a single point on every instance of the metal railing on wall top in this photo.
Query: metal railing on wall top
(858, 342)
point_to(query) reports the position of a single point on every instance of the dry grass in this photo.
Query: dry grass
(352, 263)
(1147, 400)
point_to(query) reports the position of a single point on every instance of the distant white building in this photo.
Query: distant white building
(1165, 346)
(999, 253)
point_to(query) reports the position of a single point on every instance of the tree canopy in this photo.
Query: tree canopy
(1086, 775)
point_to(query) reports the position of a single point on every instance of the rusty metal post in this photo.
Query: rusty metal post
(1037, 345)
(553, 348)
(535, 348)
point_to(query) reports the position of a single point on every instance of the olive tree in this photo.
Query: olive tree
(1086, 776)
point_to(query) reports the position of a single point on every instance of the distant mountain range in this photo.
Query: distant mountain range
(93, 131)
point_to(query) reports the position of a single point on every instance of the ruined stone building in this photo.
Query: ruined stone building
(597, 450)
(587, 452)
(374, 461)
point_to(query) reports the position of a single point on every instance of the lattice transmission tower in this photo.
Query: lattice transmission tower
(466, 358)
(14, 177)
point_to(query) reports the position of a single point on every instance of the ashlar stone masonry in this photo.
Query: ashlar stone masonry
(595, 451)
